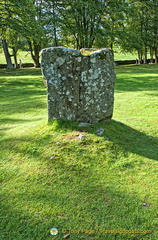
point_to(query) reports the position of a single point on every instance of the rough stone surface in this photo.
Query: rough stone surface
(80, 88)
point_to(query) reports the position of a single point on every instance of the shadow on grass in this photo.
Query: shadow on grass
(136, 83)
(56, 193)
(137, 78)
(23, 94)
(20, 72)
(126, 137)
(132, 140)
(67, 202)
(59, 194)
(17, 121)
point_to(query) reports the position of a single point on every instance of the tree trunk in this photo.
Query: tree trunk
(15, 57)
(111, 45)
(35, 50)
(156, 55)
(151, 55)
(54, 28)
(139, 57)
(7, 55)
(145, 55)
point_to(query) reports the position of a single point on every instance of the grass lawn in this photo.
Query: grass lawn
(91, 189)
(25, 57)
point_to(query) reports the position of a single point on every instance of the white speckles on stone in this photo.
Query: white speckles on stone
(52, 71)
(67, 92)
(60, 61)
(94, 84)
(99, 70)
(96, 74)
(95, 88)
(70, 75)
(83, 75)
(79, 88)
(75, 53)
(79, 59)
(87, 98)
(93, 60)
(50, 81)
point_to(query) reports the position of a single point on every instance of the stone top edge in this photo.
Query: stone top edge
(78, 51)
(100, 50)
(60, 47)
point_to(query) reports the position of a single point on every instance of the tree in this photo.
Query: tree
(7, 54)
(81, 20)
(2, 35)
(21, 17)
(141, 29)
(83, 24)
(113, 20)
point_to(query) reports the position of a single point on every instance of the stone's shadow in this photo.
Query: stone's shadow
(123, 135)
(17, 121)
(132, 140)
(97, 194)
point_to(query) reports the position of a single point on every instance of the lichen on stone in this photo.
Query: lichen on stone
(79, 88)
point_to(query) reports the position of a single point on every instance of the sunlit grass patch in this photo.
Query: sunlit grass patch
(50, 178)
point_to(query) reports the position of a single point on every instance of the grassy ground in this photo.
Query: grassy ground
(25, 57)
(84, 188)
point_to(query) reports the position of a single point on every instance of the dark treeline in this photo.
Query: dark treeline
(35, 24)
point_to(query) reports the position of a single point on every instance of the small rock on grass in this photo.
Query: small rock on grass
(81, 136)
(82, 124)
(100, 131)
(146, 204)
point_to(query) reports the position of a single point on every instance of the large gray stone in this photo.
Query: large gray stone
(79, 88)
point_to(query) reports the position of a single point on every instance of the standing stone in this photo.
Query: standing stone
(80, 88)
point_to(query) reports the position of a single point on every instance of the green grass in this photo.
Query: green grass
(51, 179)
(25, 57)
(118, 54)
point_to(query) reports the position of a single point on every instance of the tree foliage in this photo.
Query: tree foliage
(133, 24)
(141, 29)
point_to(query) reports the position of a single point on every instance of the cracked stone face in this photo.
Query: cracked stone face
(79, 88)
